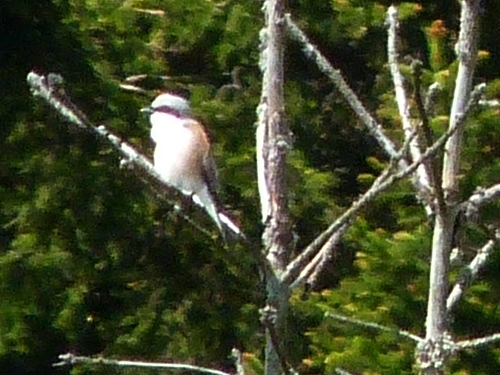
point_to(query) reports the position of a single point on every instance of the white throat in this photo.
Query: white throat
(167, 128)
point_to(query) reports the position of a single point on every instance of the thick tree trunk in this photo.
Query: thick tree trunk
(434, 353)
(273, 138)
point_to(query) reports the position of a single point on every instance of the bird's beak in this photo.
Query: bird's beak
(147, 110)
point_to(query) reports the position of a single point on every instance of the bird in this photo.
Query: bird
(183, 157)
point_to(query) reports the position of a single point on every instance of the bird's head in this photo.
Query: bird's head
(170, 104)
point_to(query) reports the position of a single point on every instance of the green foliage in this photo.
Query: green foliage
(92, 262)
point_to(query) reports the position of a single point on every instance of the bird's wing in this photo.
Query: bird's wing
(208, 197)
(210, 174)
(209, 169)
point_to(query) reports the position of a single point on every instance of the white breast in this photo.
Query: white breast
(168, 129)
(173, 152)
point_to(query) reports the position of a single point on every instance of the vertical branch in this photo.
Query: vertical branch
(273, 135)
(273, 143)
(433, 354)
(422, 176)
(466, 50)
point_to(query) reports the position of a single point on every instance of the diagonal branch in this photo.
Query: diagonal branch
(50, 89)
(268, 319)
(70, 359)
(324, 65)
(311, 271)
(381, 184)
(474, 343)
(238, 361)
(340, 371)
(433, 355)
(469, 272)
(481, 197)
(299, 263)
(466, 50)
(423, 179)
(373, 325)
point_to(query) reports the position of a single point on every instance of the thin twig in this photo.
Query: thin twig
(469, 272)
(324, 65)
(299, 263)
(466, 344)
(153, 12)
(430, 98)
(268, 319)
(423, 181)
(381, 184)
(340, 371)
(132, 88)
(50, 89)
(481, 197)
(432, 165)
(373, 325)
(71, 359)
(238, 361)
(311, 271)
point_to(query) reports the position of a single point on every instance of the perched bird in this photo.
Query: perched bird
(182, 156)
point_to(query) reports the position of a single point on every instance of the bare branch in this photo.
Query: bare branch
(381, 184)
(466, 344)
(70, 359)
(469, 272)
(373, 127)
(489, 103)
(299, 263)
(340, 371)
(433, 354)
(424, 182)
(132, 88)
(273, 144)
(141, 77)
(238, 361)
(311, 271)
(50, 90)
(466, 50)
(153, 12)
(432, 166)
(430, 98)
(268, 319)
(367, 119)
(372, 325)
(481, 197)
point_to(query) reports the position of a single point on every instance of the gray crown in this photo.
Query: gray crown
(175, 102)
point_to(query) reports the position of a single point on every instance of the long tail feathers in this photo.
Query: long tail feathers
(230, 231)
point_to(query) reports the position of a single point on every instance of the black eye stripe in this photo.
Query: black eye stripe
(168, 110)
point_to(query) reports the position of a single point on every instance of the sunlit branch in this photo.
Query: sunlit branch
(132, 88)
(381, 184)
(50, 89)
(433, 354)
(469, 272)
(153, 12)
(340, 371)
(312, 52)
(70, 359)
(238, 361)
(268, 319)
(311, 271)
(299, 263)
(466, 49)
(481, 197)
(489, 103)
(430, 98)
(401, 97)
(372, 325)
(474, 343)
